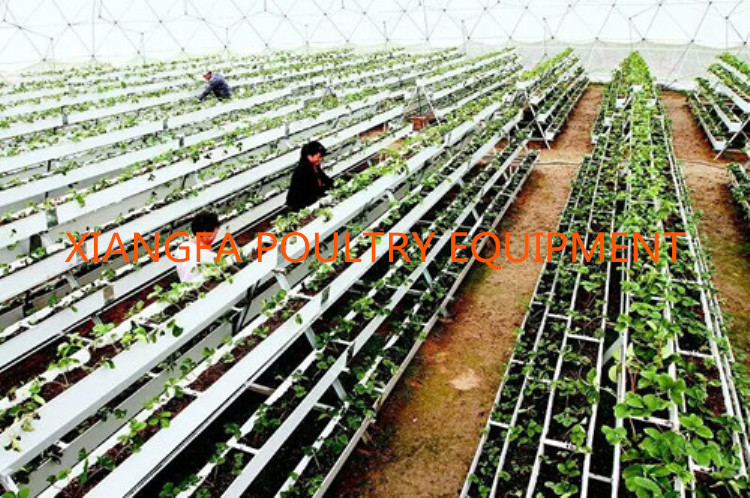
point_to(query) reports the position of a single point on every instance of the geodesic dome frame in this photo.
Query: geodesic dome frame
(685, 33)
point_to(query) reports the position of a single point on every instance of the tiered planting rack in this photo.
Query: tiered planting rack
(263, 377)
(551, 90)
(721, 104)
(622, 381)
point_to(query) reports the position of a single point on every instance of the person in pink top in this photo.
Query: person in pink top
(203, 222)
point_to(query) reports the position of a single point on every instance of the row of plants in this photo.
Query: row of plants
(558, 93)
(344, 189)
(105, 77)
(78, 131)
(553, 93)
(482, 66)
(445, 103)
(99, 96)
(510, 444)
(218, 173)
(621, 379)
(676, 359)
(539, 87)
(64, 161)
(604, 118)
(456, 65)
(346, 324)
(230, 208)
(737, 63)
(58, 77)
(199, 137)
(721, 104)
(731, 72)
(546, 66)
(389, 352)
(282, 185)
(559, 118)
(740, 188)
(243, 78)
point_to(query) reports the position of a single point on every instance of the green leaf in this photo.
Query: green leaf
(693, 423)
(614, 372)
(578, 436)
(647, 484)
(621, 410)
(616, 435)
(704, 432)
(632, 399)
(654, 403)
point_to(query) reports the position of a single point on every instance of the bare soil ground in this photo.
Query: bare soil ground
(426, 434)
(722, 231)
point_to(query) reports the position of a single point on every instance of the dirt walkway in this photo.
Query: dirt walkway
(426, 434)
(722, 231)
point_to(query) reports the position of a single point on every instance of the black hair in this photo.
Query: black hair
(205, 221)
(312, 148)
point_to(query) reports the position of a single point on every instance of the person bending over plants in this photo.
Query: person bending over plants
(216, 85)
(309, 181)
(205, 222)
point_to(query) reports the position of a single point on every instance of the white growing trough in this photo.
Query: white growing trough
(231, 310)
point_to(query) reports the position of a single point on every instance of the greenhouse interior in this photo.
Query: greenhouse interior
(378, 248)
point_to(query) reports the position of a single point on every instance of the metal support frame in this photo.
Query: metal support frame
(561, 69)
(741, 132)
(241, 318)
(328, 91)
(420, 96)
(536, 120)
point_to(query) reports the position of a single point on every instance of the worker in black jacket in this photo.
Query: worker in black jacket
(216, 85)
(309, 181)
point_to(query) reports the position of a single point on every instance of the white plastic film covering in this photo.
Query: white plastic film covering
(677, 37)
